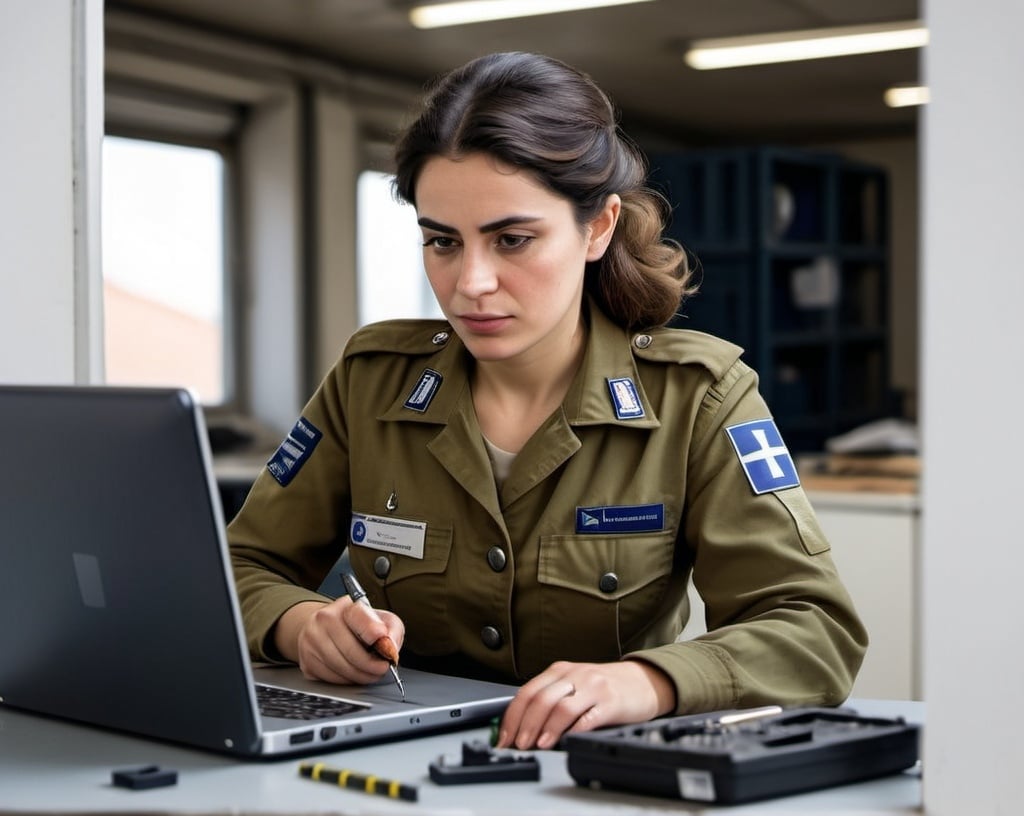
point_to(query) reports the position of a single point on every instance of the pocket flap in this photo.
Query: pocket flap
(583, 563)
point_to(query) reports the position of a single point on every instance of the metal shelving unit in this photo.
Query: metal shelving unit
(793, 249)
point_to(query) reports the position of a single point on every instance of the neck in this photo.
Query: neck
(514, 397)
(538, 373)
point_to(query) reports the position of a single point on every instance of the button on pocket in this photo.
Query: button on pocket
(609, 582)
(599, 591)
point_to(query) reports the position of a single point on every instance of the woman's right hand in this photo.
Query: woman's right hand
(333, 641)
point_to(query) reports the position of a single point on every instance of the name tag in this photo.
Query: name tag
(392, 535)
(626, 518)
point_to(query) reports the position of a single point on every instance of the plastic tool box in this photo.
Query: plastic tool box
(743, 755)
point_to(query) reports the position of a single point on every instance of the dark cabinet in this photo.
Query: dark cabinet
(791, 248)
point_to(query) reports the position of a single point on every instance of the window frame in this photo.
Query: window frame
(302, 128)
(226, 148)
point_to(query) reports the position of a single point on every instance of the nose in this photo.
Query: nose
(477, 274)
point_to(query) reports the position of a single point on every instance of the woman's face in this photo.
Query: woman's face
(505, 256)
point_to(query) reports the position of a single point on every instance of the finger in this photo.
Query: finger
(594, 717)
(395, 626)
(371, 629)
(326, 662)
(321, 657)
(551, 710)
(566, 711)
(330, 648)
(364, 622)
(512, 720)
(314, 668)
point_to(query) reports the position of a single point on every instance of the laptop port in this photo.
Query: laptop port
(328, 732)
(300, 737)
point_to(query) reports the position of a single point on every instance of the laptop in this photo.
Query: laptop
(117, 603)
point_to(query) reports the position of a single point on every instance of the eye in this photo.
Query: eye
(441, 243)
(512, 241)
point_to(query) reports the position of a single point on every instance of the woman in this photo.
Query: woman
(526, 488)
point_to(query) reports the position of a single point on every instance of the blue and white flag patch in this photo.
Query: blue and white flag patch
(625, 399)
(424, 391)
(294, 451)
(623, 518)
(764, 456)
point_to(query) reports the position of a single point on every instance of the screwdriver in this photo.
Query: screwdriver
(384, 646)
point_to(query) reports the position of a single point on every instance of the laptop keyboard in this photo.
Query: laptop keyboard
(298, 705)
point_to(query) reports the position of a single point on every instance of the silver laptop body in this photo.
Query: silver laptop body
(117, 604)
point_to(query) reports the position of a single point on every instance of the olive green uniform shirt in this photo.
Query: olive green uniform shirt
(511, 580)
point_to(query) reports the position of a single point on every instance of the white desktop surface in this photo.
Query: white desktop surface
(51, 766)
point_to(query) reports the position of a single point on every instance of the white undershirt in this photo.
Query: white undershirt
(501, 461)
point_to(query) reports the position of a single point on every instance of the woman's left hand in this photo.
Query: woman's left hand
(583, 696)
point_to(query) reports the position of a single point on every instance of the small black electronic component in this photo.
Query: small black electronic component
(481, 763)
(144, 778)
(730, 756)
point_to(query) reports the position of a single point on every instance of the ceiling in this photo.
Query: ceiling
(633, 51)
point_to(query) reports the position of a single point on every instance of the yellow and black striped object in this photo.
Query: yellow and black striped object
(319, 772)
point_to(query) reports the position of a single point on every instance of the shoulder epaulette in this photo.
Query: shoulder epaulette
(687, 347)
(413, 337)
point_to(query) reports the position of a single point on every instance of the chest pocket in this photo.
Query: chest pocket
(600, 591)
(415, 589)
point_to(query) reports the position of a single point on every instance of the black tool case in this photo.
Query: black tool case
(705, 758)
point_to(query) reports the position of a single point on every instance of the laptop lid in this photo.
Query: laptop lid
(117, 603)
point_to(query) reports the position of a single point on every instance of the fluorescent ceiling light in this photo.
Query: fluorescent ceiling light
(904, 96)
(790, 46)
(478, 11)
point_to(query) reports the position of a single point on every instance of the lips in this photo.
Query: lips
(485, 323)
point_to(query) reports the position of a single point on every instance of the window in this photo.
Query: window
(391, 279)
(163, 266)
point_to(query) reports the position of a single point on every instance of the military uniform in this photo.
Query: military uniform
(585, 551)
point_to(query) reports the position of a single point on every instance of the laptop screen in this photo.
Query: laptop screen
(117, 604)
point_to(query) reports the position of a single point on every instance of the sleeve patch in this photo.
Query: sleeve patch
(763, 455)
(292, 454)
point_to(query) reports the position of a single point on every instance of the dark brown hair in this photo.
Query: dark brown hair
(545, 117)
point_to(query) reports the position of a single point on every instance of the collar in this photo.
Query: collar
(451, 363)
(607, 356)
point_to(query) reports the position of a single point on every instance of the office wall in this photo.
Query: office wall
(972, 344)
(51, 57)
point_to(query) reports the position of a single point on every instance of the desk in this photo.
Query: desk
(49, 766)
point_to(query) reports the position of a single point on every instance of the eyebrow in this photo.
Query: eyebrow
(493, 226)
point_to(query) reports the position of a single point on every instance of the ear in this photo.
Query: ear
(602, 227)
